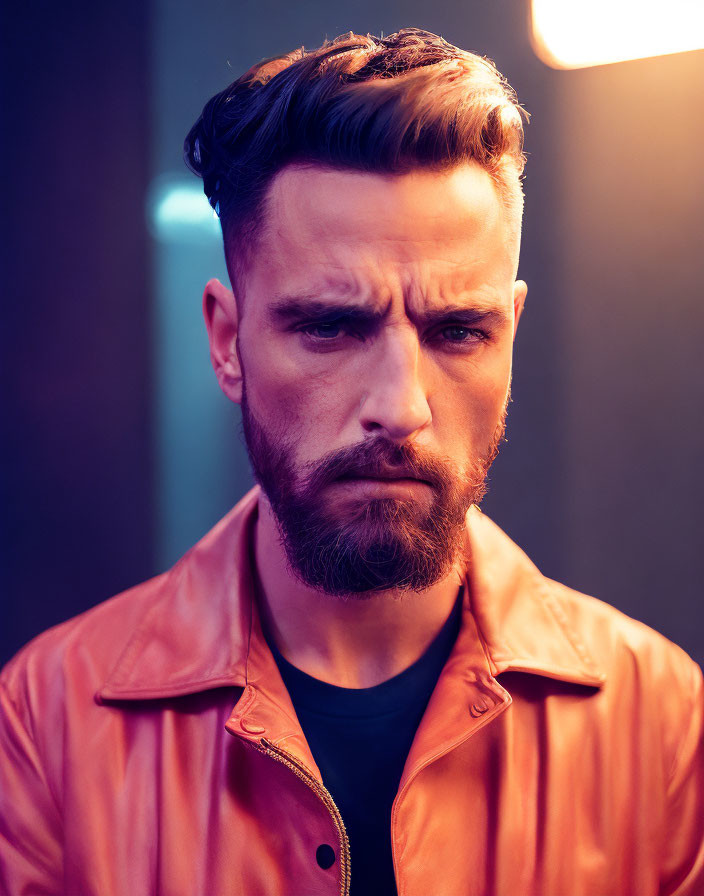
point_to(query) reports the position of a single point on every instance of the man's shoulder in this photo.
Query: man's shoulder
(608, 630)
(534, 623)
(83, 649)
(633, 656)
(152, 633)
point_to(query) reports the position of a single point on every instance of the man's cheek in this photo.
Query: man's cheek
(489, 398)
(278, 402)
(318, 411)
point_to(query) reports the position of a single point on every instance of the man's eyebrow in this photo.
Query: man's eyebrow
(287, 308)
(467, 314)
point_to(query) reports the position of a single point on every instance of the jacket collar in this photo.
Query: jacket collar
(520, 614)
(197, 629)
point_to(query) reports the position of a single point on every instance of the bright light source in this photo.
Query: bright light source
(578, 33)
(178, 210)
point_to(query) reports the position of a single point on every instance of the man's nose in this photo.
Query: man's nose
(395, 403)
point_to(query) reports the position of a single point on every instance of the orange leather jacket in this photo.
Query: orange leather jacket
(150, 747)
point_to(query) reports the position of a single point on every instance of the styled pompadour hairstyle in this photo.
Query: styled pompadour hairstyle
(379, 105)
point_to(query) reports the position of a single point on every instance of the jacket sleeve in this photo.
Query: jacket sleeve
(683, 865)
(30, 824)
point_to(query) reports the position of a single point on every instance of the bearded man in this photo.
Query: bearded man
(356, 683)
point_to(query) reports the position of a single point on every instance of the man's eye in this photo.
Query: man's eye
(458, 333)
(323, 330)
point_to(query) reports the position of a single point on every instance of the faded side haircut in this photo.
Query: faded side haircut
(381, 105)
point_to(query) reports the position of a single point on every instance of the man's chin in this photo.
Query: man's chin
(364, 548)
(375, 511)
(374, 568)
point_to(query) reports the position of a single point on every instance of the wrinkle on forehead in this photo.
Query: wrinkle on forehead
(423, 235)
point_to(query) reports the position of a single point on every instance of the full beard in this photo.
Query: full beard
(358, 548)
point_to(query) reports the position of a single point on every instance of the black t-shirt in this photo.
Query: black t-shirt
(360, 738)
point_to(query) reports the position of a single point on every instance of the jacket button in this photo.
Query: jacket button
(325, 855)
(251, 727)
(479, 708)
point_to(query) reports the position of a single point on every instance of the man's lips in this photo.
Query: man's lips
(386, 476)
(379, 478)
(380, 471)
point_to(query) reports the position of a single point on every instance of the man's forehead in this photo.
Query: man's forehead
(422, 205)
(357, 237)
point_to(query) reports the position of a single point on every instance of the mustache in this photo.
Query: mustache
(377, 459)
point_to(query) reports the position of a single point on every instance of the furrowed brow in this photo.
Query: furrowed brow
(466, 315)
(285, 309)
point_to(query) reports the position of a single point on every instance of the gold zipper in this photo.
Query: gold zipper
(324, 795)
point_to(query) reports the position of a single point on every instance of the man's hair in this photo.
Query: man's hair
(380, 105)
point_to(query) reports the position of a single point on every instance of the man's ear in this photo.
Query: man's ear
(221, 321)
(520, 291)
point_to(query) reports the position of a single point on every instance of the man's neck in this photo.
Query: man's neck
(349, 642)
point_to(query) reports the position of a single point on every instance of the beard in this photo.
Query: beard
(361, 547)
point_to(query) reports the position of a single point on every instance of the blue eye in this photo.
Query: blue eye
(461, 337)
(456, 333)
(324, 330)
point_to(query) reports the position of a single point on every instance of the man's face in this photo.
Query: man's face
(375, 351)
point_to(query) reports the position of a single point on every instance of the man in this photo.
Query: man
(356, 682)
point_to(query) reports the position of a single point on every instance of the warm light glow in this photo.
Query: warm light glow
(578, 33)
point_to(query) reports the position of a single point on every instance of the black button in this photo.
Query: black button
(325, 855)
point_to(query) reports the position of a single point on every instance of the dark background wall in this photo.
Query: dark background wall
(632, 265)
(77, 497)
(107, 470)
